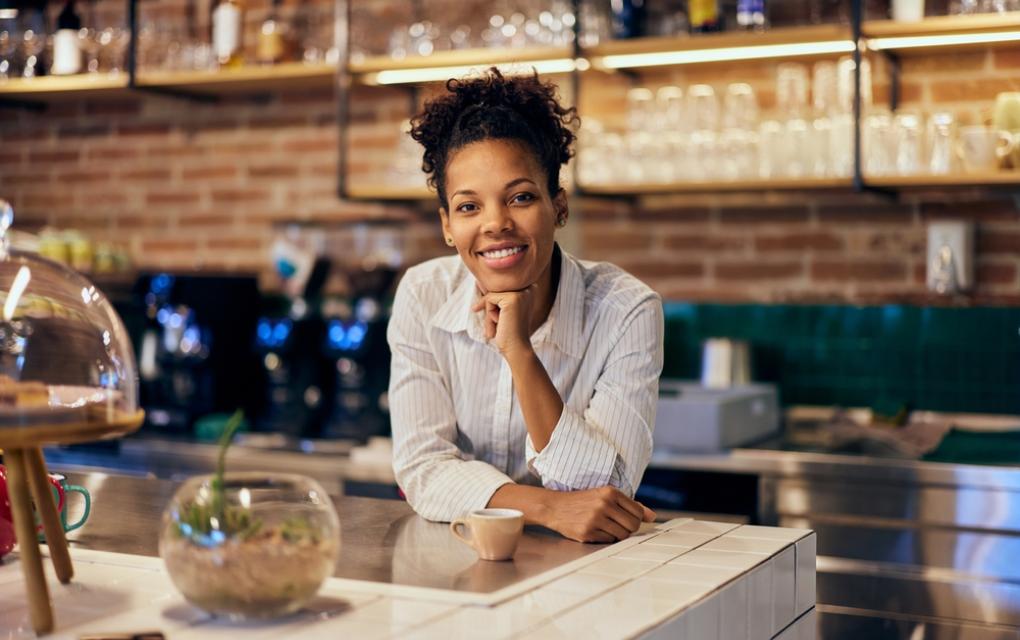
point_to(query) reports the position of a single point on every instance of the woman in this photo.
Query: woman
(522, 377)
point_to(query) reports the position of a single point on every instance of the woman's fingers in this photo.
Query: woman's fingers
(613, 528)
(624, 518)
(649, 515)
(633, 507)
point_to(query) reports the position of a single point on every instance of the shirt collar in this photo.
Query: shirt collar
(564, 327)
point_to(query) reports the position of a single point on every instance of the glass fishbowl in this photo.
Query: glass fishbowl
(256, 545)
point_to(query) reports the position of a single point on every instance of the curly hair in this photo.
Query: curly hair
(493, 106)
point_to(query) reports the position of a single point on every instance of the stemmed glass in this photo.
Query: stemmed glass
(33, 43)
(9, 37)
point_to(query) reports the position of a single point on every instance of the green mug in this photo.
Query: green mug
(69, 488)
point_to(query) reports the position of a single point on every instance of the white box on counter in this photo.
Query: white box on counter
(695, 418)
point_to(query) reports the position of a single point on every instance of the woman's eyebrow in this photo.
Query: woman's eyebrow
(514, 183)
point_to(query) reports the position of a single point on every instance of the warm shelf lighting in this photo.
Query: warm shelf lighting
(724, 54)
(438, 74)
(945, 40)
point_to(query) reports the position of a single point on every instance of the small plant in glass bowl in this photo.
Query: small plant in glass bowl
(249, 545)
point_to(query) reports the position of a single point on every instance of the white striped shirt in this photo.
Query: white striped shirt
(458, 431)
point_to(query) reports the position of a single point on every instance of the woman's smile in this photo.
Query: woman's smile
(503, 255)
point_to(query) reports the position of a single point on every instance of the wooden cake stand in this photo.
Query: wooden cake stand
(27, 482)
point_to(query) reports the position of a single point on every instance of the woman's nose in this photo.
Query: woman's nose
(497, 219)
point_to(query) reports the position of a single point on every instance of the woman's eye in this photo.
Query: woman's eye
(467, 207)
(522, 198)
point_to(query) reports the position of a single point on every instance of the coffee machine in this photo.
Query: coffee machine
(194, 348)
(323, 344)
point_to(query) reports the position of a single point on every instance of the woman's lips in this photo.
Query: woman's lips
(503, 258)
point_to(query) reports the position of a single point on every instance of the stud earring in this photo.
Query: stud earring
(561, 221)
(449, 242)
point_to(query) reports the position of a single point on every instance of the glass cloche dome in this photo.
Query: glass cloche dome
(67, 367)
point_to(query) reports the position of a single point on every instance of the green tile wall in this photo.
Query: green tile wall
(944, 359)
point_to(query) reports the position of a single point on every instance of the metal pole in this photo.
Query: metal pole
(341, 39)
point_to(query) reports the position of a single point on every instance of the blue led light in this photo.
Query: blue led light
(264, 331)
(337, 334)
(356, 334)
(280, 332)
(161, 283)
(163, 315)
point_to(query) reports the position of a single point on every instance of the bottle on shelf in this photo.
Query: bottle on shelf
(271, 46)
(751, 15)
(66, 44)
(227, 30)
(705, 16)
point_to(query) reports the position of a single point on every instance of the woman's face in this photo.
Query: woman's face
(501, 215)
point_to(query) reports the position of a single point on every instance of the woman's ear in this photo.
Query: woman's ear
(444, 220)
(560, 208)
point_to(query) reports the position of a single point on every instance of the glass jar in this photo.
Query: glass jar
(260, 546)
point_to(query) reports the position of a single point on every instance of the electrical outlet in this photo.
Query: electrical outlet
(950, 256)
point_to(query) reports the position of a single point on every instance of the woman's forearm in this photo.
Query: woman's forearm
(532, 501)
(540, 402)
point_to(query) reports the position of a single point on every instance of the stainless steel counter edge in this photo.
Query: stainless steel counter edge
(843, 467)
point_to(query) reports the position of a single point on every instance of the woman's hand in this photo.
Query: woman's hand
(507, 319)
(596, 515)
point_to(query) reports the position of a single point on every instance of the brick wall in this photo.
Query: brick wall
(196, 186)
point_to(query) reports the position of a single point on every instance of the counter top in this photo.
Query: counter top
(708, 579)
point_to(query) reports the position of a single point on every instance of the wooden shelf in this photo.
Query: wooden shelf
(64, 88)
(943, 25)
(385, 192)
(460, 58)
(995, 179)
(708, 44)
(944, 33)
(250, 79)
(725, 39)
(664, 188)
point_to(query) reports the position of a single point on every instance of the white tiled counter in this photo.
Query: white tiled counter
(681, 579)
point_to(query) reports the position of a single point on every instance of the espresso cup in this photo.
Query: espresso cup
(493, 533)
(60, 488)
(981, 148)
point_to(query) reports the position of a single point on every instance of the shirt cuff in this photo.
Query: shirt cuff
(577, 456)
(486, 479)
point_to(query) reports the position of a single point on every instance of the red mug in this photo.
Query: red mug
(7, 539)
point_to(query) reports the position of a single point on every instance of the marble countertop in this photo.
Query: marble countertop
(401, 576)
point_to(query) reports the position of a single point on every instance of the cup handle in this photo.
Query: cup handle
(454, 528)
(1010, 139)
(73, 488)
(59, 500)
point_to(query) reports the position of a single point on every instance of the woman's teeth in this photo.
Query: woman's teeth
(502, 253)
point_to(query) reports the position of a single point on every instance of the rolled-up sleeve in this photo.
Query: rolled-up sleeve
(439, 482)
(610, 442)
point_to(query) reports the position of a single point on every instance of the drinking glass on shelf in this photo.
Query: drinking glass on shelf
(841, 145)
(740, 107)
(909, 143)
(670, 104)
(877, 144)
(10, 35)
(314, 27)
(737, 154)
(941, 143)
(33, 43)
(824, 94)
(702, 108)
(641, 111)
(791, 90)
(845, 84)
(771, 149)
(799, 160)
(820, 150)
